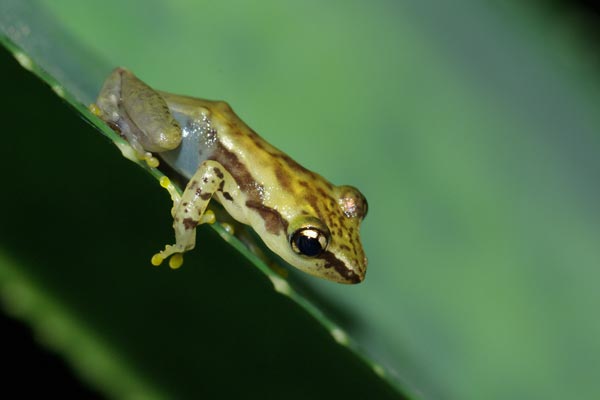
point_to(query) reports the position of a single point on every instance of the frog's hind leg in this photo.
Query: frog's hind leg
(190, 210)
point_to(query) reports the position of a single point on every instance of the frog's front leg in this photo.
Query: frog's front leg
(190, 210)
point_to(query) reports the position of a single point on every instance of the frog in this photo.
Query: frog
(310, 223)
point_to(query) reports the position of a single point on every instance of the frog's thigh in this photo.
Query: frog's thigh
(188, 213)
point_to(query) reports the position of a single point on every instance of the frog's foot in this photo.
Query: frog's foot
(173, 251)
(186, 240)
(175, 196)
(94, 109)
(151, 161)
(132, 149)
(227, 227)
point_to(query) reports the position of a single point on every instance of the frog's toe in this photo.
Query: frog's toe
(175, 253)
(157, 259)
(176, 260)
(151, 161)
(94, 109)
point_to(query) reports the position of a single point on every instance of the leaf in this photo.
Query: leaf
(116, 364)
(470, 127)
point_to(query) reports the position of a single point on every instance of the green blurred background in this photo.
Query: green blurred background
(471, 128)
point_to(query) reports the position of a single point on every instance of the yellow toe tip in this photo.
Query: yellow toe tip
(228, 228)
(95, 109)
(164, 182)
(176, 261)
(208, 217)
(156, 260)
(152, 161)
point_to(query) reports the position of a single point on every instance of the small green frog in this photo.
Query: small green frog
(299, 215)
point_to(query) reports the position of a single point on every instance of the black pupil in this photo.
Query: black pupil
(308, 246)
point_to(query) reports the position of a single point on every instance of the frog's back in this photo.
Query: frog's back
(255, 162)
(278, 193)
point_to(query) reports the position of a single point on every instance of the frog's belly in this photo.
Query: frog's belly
(196, 146)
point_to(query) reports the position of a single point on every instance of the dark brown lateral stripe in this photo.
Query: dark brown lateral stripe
(238, 171)
(274, 222)
(332, 261)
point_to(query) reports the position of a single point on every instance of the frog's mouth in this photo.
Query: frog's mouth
(348, 275)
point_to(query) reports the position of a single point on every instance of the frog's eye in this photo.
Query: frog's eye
(309, 241)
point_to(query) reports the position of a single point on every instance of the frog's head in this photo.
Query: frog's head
(326, 243)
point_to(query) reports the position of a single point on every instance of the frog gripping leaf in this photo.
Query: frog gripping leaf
(309, 222)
